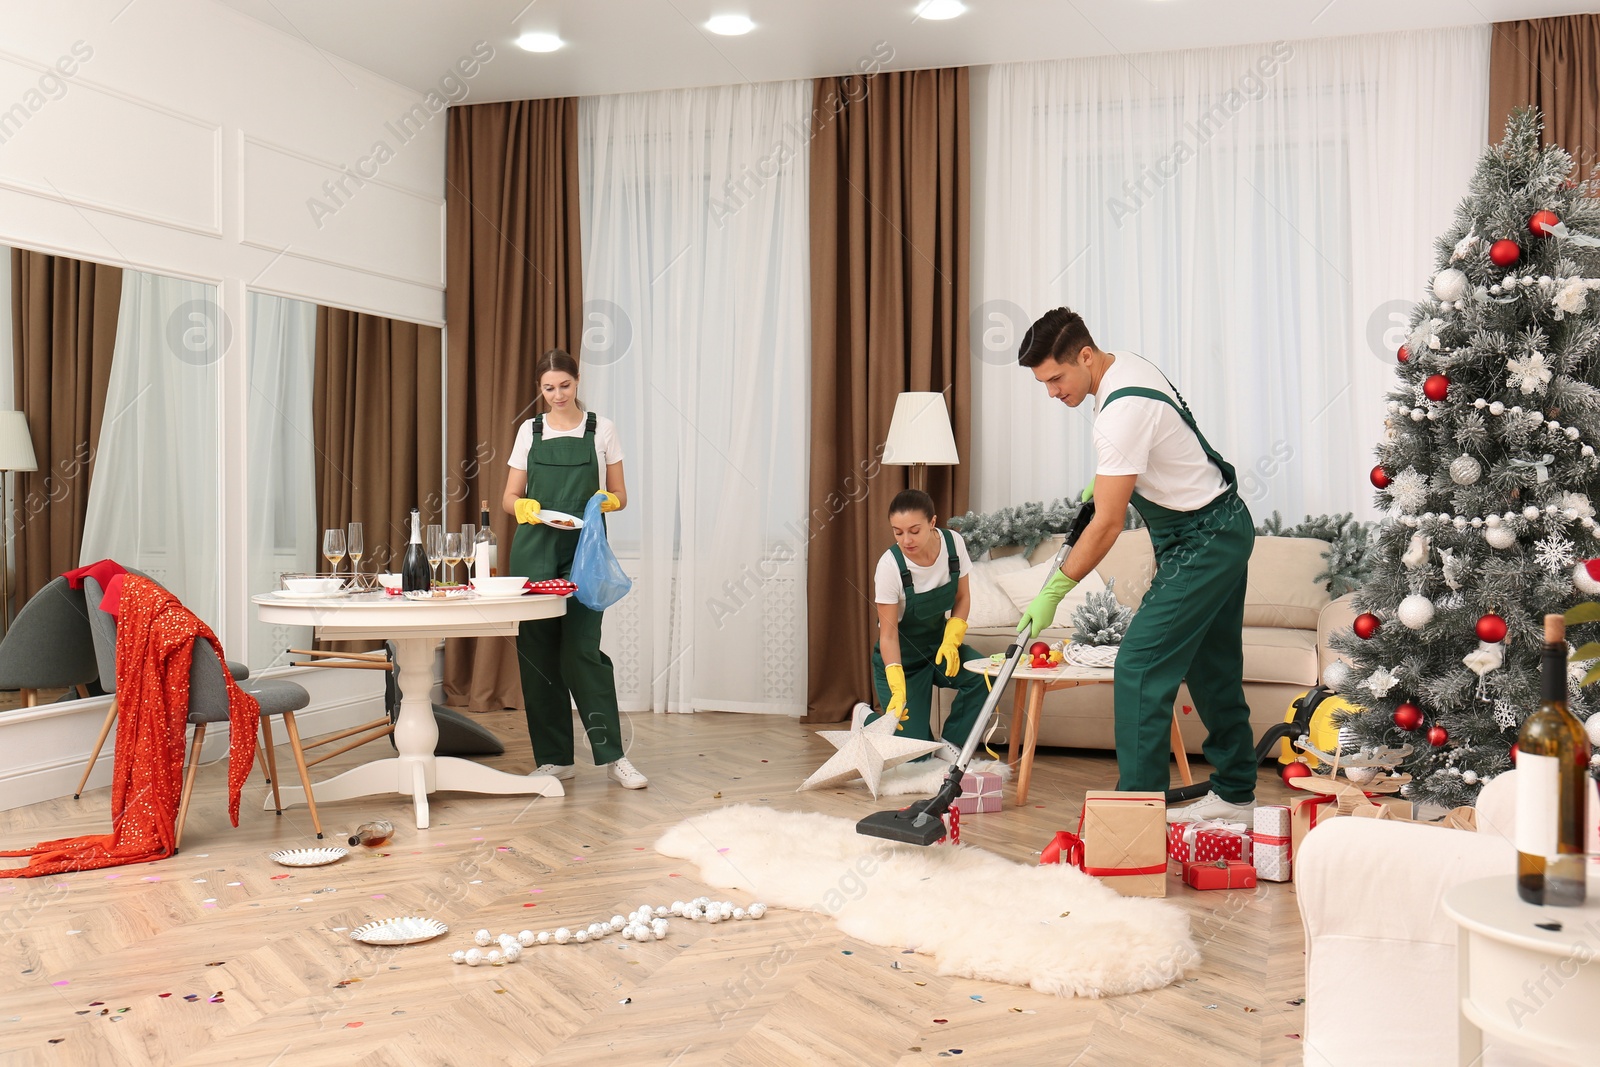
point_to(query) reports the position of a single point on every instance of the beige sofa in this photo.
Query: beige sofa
(1288, 615)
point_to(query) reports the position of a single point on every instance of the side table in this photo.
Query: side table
(1527, 975)
(1028, 697)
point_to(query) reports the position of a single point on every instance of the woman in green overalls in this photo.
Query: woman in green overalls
(1190, 625)
(918, 582)
(557, 463)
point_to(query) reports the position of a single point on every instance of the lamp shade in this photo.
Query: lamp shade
(16, 446)
(920, 431)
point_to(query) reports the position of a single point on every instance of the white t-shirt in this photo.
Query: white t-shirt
(607, 448)
(1138, 435)
(887, 588)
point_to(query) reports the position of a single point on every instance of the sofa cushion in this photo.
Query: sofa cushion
(1131, 561)
(1280, 654)
(991, 606)
(1023, 586)
(1283, 589)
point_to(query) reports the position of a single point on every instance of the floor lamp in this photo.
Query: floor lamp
(16, 454)
(920, 434)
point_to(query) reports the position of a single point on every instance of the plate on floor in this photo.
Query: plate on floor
(404, 931)
(310, 857)
(560, 520)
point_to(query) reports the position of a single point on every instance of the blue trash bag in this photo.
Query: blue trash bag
(595, 570)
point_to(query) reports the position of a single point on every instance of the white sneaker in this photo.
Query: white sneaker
(1212, 806)
(564, 771)
(623, 773)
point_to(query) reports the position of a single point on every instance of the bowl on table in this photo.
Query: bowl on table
(389, 581)
(499, 585)
(323, 586)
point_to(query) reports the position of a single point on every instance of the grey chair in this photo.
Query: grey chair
(208, 703)
(48, 645)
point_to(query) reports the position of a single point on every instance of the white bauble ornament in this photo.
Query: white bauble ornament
(677, 907)
(513, 952)
(1415, 611)
(581, 936)
(1361, 775)
(473, 957)
(482, 937)
(661, 912)
(1497, 408)
(757, 910)
(627, 933)
(659, 929)
(562, 935)
(1465, 470)
(1449, 285)
(738, 913)
(493, 957)
(543, 937)
(525, 938)
(1500, 537)
(1530, 513)
(1469, 777)
(713, 915)
(458, 956)
(1336, 674)
(617, 921)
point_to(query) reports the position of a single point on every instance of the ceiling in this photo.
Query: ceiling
(615, 46)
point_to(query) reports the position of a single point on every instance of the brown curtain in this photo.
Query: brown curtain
(63, 331)
(1553, 64)
(513, 289)
(375, 416)
(890, 207)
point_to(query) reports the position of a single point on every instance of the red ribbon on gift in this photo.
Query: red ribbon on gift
(1066, 847)
(1112, 872)
(1268, 839)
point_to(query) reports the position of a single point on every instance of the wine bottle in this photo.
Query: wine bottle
(1552, 790)
(372, 834)
(415, 574)
(486, 551)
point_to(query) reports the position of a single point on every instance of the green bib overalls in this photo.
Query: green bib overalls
(560, 658)
(921, 633)
(1189, 627)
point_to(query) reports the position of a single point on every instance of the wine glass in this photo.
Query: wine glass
(433, 545)
(469, 546)
(333, 547)
(353, 545)
(452, 553)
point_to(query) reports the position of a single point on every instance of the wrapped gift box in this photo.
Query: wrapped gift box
(1219, 874)
(980, 792)
(1270, 841)
(1124, 838)
(1209, 840)
(952, 828)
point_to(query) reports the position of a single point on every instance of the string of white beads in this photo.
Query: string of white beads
(643, 924)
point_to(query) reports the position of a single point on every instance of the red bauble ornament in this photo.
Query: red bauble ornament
(1366, 625)
(1491, 628)
(1513, 755)
(1039, 648)
(1408, 716)
(1403, 355)
(1294, 770)
(1437, 387)
(1437, 736)
(1505, 252)
(1380, 478)
(1542, 223)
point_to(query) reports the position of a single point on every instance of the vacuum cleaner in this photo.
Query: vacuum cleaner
(923, 822)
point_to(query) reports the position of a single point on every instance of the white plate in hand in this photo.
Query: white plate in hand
(546, 515)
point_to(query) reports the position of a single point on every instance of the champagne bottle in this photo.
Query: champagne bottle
(415, 574)
(1552, 790)
(486, 551)
(372, 834)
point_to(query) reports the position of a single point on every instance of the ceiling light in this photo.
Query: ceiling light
(730, 25)
(940, 9)
(539, 42)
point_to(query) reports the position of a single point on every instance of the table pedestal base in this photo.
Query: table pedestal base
(417, 778)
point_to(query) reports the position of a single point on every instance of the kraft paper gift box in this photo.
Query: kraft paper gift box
(1270, 842)
(1125, 841)
(1219, 874)
(980, 792)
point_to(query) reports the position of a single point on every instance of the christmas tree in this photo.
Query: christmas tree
(1488, 470)
(1101, 619)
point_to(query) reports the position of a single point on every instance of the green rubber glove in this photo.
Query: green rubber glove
(1087, 494)
(1042, 611)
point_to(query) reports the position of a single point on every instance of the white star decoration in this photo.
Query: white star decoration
(868, 752)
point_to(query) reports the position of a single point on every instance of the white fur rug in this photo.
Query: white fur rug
(1053, 927)
(926, 777)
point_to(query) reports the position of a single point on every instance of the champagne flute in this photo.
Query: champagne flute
(452, 553)
(333, 547)
(469, 544)
(353, 545)
(433, 545)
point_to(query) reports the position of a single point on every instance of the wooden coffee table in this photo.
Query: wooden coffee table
(1028, 697)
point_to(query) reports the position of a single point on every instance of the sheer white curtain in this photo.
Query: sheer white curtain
(695, 260)
(155, 497)
(282, 491)
(1255, 220)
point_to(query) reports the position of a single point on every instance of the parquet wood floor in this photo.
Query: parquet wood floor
(219, 956)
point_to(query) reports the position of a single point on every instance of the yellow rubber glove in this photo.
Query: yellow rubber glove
(1088, 493)
(949, 654)
(610, 501)
(896, 675)
(1042, 611)
(528, 511)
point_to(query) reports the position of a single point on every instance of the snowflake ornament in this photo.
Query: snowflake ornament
(1555, 554)
(1505, 714)
(1409, 490)
(1530, 374)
